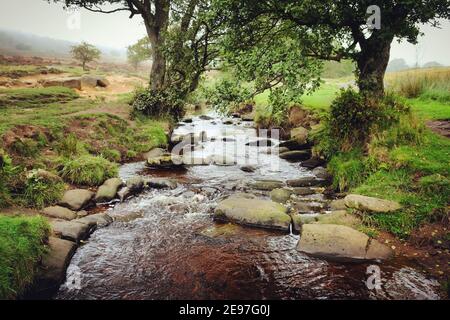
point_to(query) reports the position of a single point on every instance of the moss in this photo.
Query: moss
(22, 244)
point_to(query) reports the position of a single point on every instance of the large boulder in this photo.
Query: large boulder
(73, 83)
(266, 185)
(296, 156)
(340, 243)
(94, 81)
(300, 135)
(253, 212)
(60, 213)
(76, 199)
(108, 190)
(154, 153)
(370, 204)
(313, 163)
(167, 160)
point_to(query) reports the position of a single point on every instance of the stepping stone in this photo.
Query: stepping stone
(340, 243)
(96, 220)
(295, 156)
(108, 190)
(71, 230)
(76, 199)
(249, 169)
(161, 183)
(280, 195)
(306, 182)
(52, 271)
(338, 204)
(60, 213)
(370, 204)
(313, 163)
(266, 185)
(253, 212)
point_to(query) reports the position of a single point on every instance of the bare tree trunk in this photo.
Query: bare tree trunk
(372, 64)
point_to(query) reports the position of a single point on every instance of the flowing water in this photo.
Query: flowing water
(174, 250)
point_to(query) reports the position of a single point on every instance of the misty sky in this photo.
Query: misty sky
(118, 31)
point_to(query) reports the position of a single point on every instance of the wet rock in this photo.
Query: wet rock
(71, 230)
(308, 206)
(227, 121)
(300, 135)
(370, 204)
(313, 162)
(228, 139)
(52, 270)
(248, 117)
(297, 155)
(260, 143)
(306, 182)
(280, 195)
(298, 220)
(303, 191)
(253, 212)
(135, 184)
(340, 243)
(322, 173)
(338, 204)
(248, 168)
(124, 194)
(277, 150)
(128, 217)
(60, 213)
(82, 214)
(108, 190)
(160, 183)
(223, 160)
(294, 145)
(339, 217)
(96, 220)
(266, 185)
(235, 115)
(167, 160)
(76, 199)
(154, 153)
(187, 120)
(205, 117)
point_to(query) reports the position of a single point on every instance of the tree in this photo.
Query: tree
(85, 53)
(332, 30)
(157, 16)
(139, 52)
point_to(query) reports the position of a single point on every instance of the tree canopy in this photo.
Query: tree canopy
(85, 53)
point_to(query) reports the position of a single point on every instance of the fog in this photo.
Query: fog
(118, 31)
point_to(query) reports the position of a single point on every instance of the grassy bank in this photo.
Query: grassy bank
(22, 244)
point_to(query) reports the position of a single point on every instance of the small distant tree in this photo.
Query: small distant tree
(85, 53)
(139, 52)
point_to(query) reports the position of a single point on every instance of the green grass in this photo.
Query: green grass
(21, 247)
(87, 170)
(17, 71)
(35, 97)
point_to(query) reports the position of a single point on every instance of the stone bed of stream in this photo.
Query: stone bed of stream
(164, 243)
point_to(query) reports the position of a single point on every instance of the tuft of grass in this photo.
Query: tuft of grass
(22, 244)
(348, 169)
(87, 170)
(112, 155)
(40, 191)
(70, 146)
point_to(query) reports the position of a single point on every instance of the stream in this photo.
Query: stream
(174, 249)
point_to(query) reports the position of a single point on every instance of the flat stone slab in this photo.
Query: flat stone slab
(76, 199)
(305, 182)
(71, 230)
(299, 155)
(340, 243)
(108, 190)
(370, 204)
(253, 212)
(340, 217)
(60, 213)
(266, 185)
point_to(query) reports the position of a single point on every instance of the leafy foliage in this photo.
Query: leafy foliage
(139, 52)
(226, 95)
(159, 103)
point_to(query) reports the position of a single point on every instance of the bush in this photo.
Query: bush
(87, 170)
(41, 189)
(159, 103)
(22, 244)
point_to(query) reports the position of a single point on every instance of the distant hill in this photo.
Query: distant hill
(24, 44)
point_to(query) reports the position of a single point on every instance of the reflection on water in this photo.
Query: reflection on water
(174, 250)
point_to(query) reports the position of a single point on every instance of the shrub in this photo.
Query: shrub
(87, 170)
(227, 95)
(22, 244)
(41, 189)
(158, 103)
